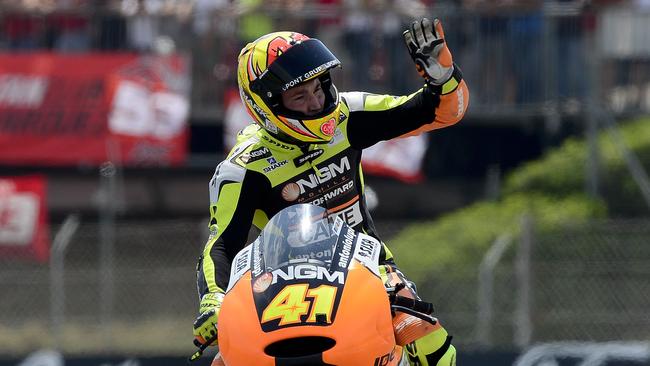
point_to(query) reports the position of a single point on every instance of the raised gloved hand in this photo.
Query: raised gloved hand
(426, 43)
(205, 325)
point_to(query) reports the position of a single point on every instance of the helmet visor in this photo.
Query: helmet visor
(300, 63)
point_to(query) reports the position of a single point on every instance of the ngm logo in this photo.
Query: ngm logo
(326, 173)
(307, 272)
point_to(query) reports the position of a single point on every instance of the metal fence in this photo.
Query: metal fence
(578, 283)
(587, 282)
(144, 302)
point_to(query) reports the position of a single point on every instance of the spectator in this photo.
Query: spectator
(357, 25)
(23, 31)
(491, 80)
(142, 29)
(397, 15)
(254, 20)
(525, 31)
(571, 64)
(112, 31)
(70, 32)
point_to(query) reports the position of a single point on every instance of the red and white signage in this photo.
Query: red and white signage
(24, 228)
(58, 109)
(399, 158)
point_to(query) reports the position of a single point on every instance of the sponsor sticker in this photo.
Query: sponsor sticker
(351, 215)
(310, 156)
(328, 172)
(277, 143)
(328, 127)
(367, 251)
(309, 74)
(337, 226)
(274, 164)
(306, 272)
(255, 155)
(262, 282)
(291, 192)
(338, 137)
(241, 264)
(346, 250)
(333, 193)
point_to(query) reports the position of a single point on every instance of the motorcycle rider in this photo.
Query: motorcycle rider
(306, 148)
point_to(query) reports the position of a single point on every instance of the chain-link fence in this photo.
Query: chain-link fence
(593, 282)
(579, 283)
(144, 302)
(589, 282)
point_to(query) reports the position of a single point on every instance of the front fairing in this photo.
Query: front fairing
(295, 274)
(307, 275)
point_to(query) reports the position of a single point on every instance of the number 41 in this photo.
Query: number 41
(290, 304)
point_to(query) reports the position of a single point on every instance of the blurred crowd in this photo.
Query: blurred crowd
(501, 45)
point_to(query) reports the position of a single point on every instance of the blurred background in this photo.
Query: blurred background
(527, 224)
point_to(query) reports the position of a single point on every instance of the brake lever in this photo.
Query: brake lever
(417, 314)
(202, 347)
(414, 304)
(392, 291)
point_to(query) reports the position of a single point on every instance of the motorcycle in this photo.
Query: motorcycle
(308, 291)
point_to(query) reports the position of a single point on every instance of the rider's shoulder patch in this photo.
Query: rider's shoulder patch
(226, 172)
(354, 100)
(255, 154)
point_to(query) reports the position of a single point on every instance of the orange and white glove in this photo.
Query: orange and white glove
(426, 44)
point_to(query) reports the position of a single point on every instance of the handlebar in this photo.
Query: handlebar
(418, 308)
(414, 304)
(417, 314)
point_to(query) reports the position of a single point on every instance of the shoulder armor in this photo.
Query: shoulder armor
(354, 100)
(226, 172)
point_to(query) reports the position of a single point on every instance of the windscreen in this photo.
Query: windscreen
(298, 233)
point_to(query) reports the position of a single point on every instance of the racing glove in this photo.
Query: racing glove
(426, 44)
(205, 325)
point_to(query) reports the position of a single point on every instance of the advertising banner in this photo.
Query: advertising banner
(58, 109)
(24, 230)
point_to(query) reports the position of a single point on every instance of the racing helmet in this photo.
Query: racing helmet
(276, 62)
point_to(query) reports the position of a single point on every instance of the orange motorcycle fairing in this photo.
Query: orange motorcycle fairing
(358, 332)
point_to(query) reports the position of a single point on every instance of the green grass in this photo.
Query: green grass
(551, 189)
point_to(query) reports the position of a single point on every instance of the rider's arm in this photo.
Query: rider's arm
(235, 193)
(375, 118)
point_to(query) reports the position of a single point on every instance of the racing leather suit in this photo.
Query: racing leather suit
(262, 175)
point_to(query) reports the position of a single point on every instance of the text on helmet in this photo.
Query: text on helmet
(309, 74)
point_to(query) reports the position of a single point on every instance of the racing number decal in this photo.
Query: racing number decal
(290, 304)
(324, 296)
